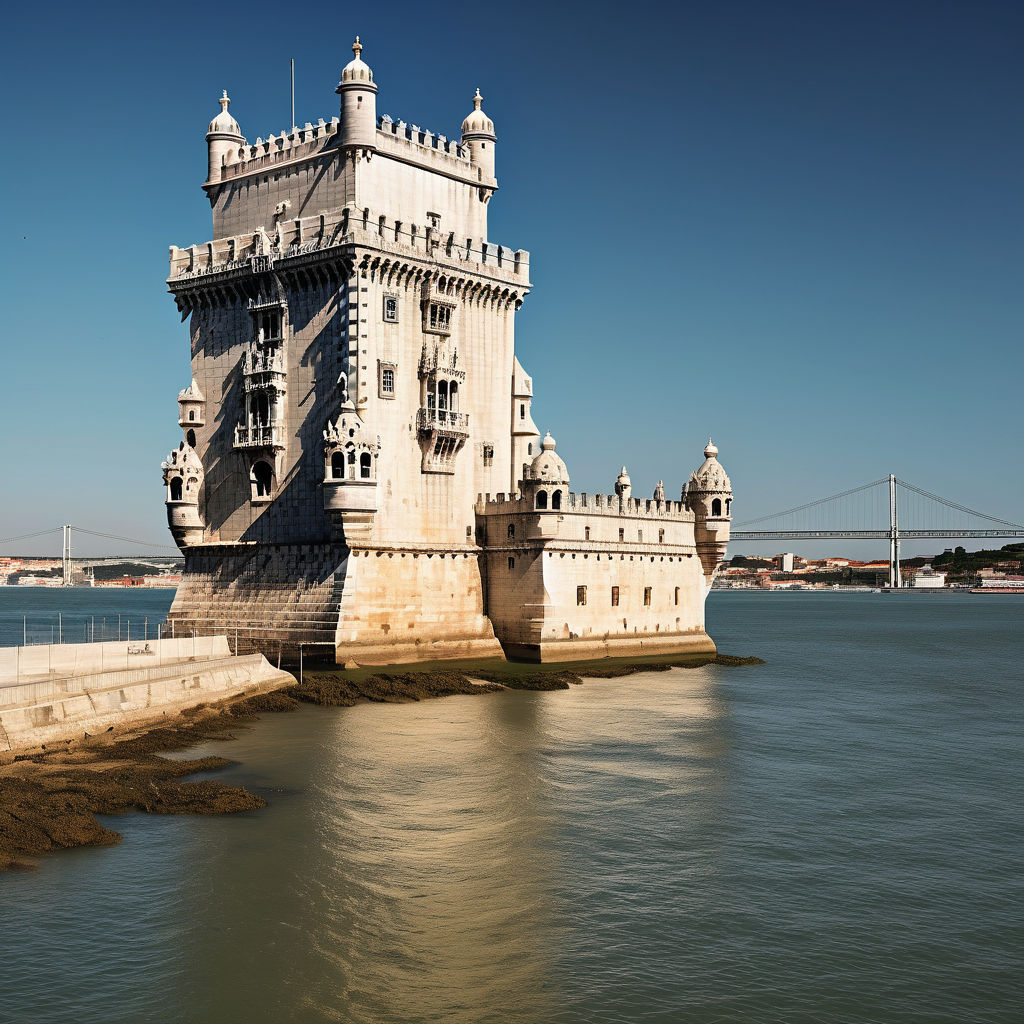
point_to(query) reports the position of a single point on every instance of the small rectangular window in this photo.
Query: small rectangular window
(581, 595)
(391, 309)
(586, 533)
(661, 536)
(647, 595)
(511, 562)
(622, 534)
(615, 597)
(640, 535)
(488, 454)
(386, 380)
(677, 595)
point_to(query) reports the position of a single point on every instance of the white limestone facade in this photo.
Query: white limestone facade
(356, 399)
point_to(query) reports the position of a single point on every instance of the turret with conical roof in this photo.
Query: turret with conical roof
(478, 136)
(222, 137)
(358, 93)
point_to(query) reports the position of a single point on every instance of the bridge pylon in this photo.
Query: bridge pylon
(895, 580)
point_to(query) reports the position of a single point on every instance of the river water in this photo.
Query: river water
(834, 836)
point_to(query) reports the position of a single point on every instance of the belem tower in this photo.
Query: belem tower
(360, 471)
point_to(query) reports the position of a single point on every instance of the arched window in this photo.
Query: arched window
(542, 499)
(351, 465)
(338, 465)
(192, 485)
(191, 415)
(191, 438)
(263, 478)
(728, 506)
(511, 529)
(175, 488)
(365, 462)
(442, 394)
(453, 396)
(716, 506)
(556, 500)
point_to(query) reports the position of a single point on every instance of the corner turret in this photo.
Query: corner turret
(623, 486)
(478, 136)
(191, 411)
(708, 495)
(183, 476)
(358, 103)
(525, 435)
(222, 139)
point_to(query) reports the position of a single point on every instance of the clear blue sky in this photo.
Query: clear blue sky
(796, 225)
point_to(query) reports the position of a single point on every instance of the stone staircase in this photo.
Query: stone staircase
(270, 599)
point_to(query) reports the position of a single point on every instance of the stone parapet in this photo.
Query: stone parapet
(301, 236)
(588, 504)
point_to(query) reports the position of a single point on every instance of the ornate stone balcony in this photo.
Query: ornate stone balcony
(443, 420)
(263, 370)
(258, 436)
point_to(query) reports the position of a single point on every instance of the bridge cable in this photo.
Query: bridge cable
(26, 536)
(956, 507)
(125, 540)
(811, 504)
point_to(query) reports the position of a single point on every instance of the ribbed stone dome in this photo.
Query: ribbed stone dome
(548, 467)
(356, 70)
(478, 123)
(224, 123)
(710, 475)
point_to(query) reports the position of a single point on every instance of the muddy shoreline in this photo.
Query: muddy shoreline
(50, 801)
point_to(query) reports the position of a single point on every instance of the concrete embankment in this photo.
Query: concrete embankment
(63, 694)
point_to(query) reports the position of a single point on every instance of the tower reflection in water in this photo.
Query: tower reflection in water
(515, 857)
(434, 833)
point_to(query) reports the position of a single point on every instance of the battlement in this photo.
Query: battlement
(422, 139)
(300, 144)
(427, 148)
(301, 235)
(586, 504)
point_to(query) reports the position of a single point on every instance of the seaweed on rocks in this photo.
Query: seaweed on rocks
(340, 690)
(49, 801)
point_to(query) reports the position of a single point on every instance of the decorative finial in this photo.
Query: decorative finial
(710, 449)
(225, 101)
(477, 100)
(548, 444)
(357, 47)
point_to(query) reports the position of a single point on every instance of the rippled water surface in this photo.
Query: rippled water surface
(833, 836)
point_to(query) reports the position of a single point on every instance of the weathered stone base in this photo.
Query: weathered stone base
(413, 604)
(265, 597)
(595, 648)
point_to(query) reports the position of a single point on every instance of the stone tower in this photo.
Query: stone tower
(353, 382)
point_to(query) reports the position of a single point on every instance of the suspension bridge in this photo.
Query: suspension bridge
(68, 562)
(887, 509)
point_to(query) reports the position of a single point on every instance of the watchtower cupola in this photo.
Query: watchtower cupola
(546, 482)
(708, 495)
(478, 136)
(222, 139)
(358, 93)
